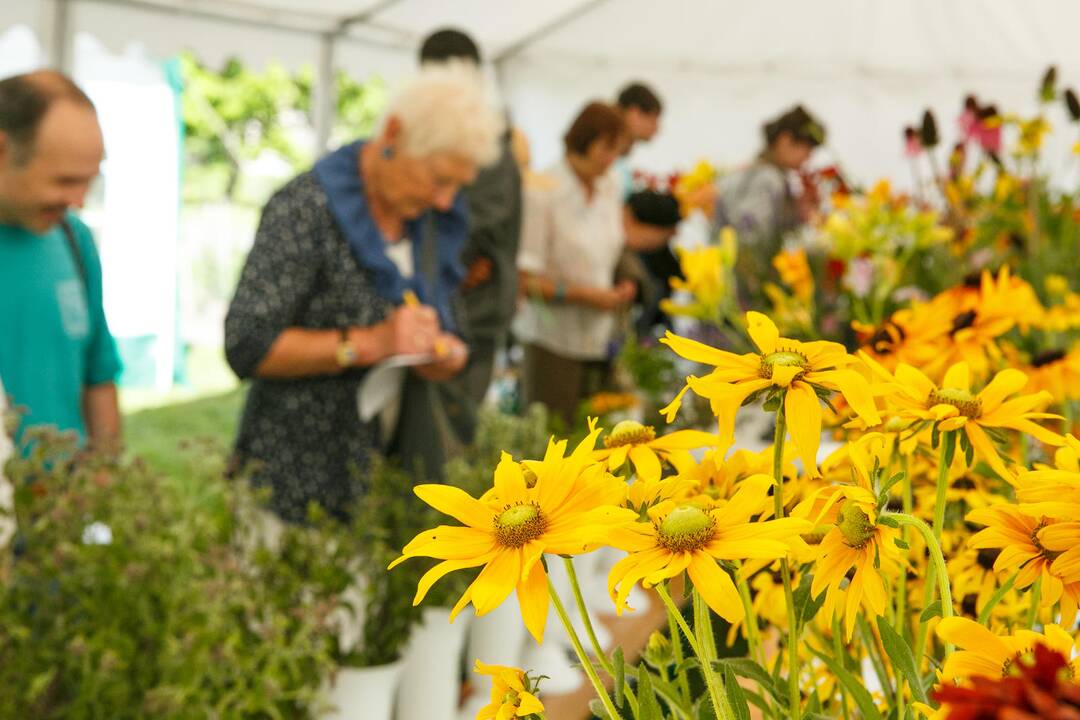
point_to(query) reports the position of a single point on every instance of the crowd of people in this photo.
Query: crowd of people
(431, 246)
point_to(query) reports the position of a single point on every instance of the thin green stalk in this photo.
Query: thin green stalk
(716, 694)
(937, 565)
(753, 632)
(601, 656)
(939, 524)
(676, 643)
(874, 652)
(901, 585)
(785, 571)
(707, 643)
(1036, 593)
(839, 654)
(586, 663)
(988, 608)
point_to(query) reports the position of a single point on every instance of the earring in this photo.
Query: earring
(388, 152)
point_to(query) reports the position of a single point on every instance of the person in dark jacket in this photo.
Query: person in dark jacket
(494, 204)
(355, 262)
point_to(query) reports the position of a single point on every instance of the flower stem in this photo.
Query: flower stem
(1036, 593)
(586, 663)
(716, 694)
(939, 524)
(676, 643)
(988, 608)
(838, 654)
(601, 656)
(707, 643)
(936, 570)
(785, 571)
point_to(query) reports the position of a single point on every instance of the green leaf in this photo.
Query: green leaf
(888, 520)
(901, 657)
(901, 543)
(40, 684)
(747, 668)
(855, 688)
(735, 695)
(950, 447)
(619, 664)
(772, 404)
(932, 611)
(648, 705)
(806, 607)
(889, 484)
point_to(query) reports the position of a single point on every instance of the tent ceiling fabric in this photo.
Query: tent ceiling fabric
(960, 36)
(866, 67)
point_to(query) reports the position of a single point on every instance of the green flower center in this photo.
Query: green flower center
(686, 528)
(854, 525)
(968, 405)
(784, 358)
(629, 432)
(519, 524)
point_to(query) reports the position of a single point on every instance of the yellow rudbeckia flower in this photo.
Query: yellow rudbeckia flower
(855, 541)
(570, 505)
(801, 370)
(512, 694)
(1027, 544)
(983, 654)
(687, 537)
(954, 407)
(631, 440)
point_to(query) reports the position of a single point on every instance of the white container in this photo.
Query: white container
(430, 686)
(364, 693)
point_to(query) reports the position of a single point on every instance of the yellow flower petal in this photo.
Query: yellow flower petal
(762, 331)
(532, 595)
(958, 376)
(802, 410)
(715, 587)
(1004, 384)
(456, 503)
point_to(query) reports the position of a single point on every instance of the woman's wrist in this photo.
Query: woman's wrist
(369, 344)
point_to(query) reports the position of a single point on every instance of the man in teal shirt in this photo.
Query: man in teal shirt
(58, 361)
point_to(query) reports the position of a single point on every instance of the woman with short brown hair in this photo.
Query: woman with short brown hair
(571, 240)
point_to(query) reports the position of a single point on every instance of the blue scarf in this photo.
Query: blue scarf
(339, 175)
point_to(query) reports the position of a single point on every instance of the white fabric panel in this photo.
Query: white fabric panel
(20, 50)
(19, 12)
(136, 224)
(165, 34)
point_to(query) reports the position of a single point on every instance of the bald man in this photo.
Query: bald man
(58, 361)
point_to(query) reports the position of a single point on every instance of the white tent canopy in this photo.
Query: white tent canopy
(722, 66)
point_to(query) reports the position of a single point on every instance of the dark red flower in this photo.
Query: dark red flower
(1044, 689)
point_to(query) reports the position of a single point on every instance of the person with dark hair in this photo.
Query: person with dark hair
(449, 44)
(58, 360)
(571, 241)
(640, 108)
(489, 290)
(758, 201)
(651, 218)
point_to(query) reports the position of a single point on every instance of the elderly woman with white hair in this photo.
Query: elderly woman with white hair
(354, 262)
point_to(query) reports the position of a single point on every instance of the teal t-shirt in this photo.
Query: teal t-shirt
(54, 340)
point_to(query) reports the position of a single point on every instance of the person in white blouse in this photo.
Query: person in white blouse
(571, 240)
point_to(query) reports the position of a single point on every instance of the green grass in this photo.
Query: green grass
(158, 434)
(157, 425)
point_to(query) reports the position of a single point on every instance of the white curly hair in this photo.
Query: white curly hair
(447, 107)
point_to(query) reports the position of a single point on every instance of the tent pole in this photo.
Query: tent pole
(325, 96)
(56, 33)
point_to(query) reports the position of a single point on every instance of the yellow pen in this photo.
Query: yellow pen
(412, 301)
